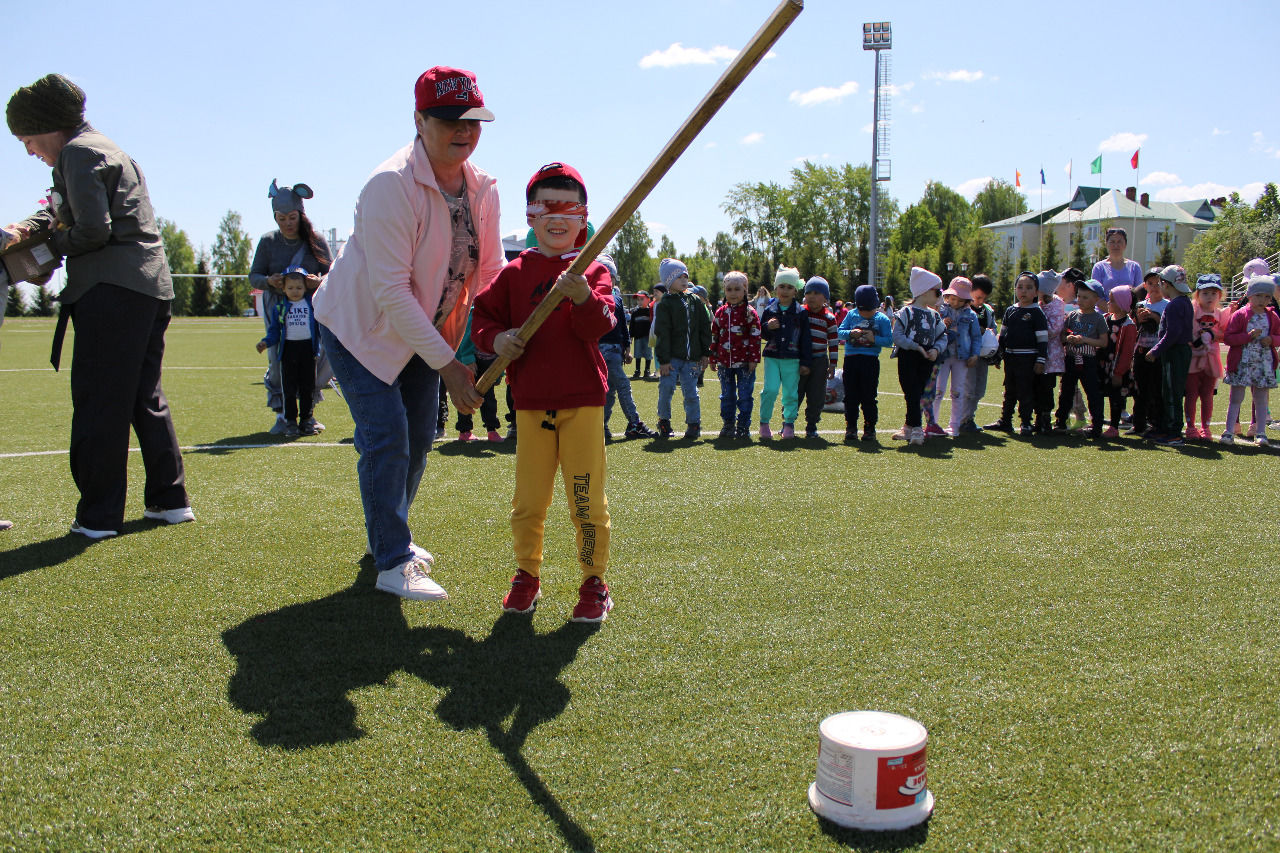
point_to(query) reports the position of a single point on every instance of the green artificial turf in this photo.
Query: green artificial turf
(1091, 637)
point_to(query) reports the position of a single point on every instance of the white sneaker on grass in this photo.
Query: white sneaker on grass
(410, 579)
(169, 516)
(89, 532)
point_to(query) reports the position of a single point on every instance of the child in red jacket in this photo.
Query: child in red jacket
(558, 384)
(1116, 364)
(735, 351)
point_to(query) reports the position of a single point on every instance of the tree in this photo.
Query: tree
(202, 293)
(917, 229)
(1002, 294)
(631, 253)
(43, 306)
(1049, 251)
(1079, 258)
(1024, 261)
(1166, 248)
(1239, 233)
(15, 305)
(231, 256)
(947, 206)
(998, 200)
(182, 259)
(666, 248)
(725, 251)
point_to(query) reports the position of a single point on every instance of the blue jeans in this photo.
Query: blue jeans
(395, 425)
(686, 373)
(641, 348)
(619, 384)
(736, 387)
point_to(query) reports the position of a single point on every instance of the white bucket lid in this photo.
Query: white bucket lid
(874, 732)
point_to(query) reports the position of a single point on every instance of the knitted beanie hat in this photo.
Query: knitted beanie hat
(1262, 285)
(1047, 281)
(818, 284)
(606, 261)
(670, 269)
(788, 275)
(51, 103)
(866, 297)
(922, 280)
(1123, 297)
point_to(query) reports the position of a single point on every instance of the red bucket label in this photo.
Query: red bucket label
(900, 781)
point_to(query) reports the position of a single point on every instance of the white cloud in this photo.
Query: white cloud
(1257, 139)
(973, 186)
(957, 76)
(1217, 132)
(822, 94)
(1248, 193)
(678, 54)
(896, 90)
(917, 108)
(1162, 179)
(1123, 142)
(752, 138)
(657, 227)
(812, 159)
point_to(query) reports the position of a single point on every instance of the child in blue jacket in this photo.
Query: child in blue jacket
(865, 331)
(292, 326)
(788, 350)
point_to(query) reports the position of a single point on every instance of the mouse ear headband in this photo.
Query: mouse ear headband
(288, 199)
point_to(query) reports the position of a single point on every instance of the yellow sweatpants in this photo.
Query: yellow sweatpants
(573, 441)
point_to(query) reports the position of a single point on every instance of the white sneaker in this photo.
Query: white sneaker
(1262, 441)
(1227, 438)
(279, 426)
(170, 516)
(92, 534)
(917, 435)
(410, 580)
(416, 550)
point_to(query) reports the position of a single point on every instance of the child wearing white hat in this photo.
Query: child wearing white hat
(917, 330)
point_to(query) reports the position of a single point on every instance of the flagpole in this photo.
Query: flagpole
(1040, 257)
(1135, 206)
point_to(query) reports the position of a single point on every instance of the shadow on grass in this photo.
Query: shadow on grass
(54, 552)
(857, 839)
(482, 449)
(296, 666)
(232, 443)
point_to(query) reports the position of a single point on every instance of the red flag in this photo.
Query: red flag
(1017, 178)
(1133, 161)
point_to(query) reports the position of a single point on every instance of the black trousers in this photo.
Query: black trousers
(488, 406)
(813, 390)
(1148, 395)
(1044, 386)
(115, 385)
(913, 374)
(1019, 388)
(861, 384)
(1087, 375)
(297, 379)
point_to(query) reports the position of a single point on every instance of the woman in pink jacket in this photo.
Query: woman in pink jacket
(393, 309)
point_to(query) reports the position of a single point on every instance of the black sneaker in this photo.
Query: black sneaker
(664, 428)
(1000, 426)
(726, 431)
(743, 431)
(1027, 429)
(869, 435)
(811, 432)
(639, 430)
(693, 430)
(851, 433)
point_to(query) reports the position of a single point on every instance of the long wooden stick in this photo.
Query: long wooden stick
(737, 71)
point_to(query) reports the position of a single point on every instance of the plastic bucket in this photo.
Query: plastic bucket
(871, 771)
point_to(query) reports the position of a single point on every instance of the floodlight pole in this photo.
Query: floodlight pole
(875, 37)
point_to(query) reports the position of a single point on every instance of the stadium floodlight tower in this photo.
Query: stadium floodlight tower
(878, 37)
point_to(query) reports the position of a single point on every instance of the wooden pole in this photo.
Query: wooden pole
(737, 71)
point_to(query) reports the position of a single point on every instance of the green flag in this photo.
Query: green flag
(1095, 168)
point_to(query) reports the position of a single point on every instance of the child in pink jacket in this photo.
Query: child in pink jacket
(1209, 323)
(1253, 335)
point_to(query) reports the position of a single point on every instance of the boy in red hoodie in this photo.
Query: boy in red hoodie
(558, 382)
(735, 351)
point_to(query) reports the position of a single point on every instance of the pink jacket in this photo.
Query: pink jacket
(1237, 336)
(1208, 327)
(384, 288)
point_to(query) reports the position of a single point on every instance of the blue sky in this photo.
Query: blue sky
(215, 100)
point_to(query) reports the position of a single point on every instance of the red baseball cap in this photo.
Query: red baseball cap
(553, 170)
(450, 93)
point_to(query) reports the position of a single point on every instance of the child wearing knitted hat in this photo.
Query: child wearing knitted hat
(1024, 347)
(826, 351)
(682, 330)
(1253, 338)
(918, 331)
(964, 339)
(1055, 314)
(865, 331)
(1206, 359)
(788, 349)
(1116, 362)
(735, 351)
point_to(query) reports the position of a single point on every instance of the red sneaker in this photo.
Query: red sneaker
(524, 593)
(594, 602)
(934, 429)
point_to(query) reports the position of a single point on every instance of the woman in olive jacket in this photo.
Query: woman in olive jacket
(118, 293)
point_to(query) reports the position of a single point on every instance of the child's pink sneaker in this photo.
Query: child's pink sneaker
(466, 436)
(765, 432)
(1111, 432)
(934, 429)
(494, 436)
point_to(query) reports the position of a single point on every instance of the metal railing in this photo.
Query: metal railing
(1239, 286)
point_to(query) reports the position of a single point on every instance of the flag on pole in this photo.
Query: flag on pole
(1041, 177)
(1069, 184)
(1017, 178)
(1095, 168)
(1133, 161)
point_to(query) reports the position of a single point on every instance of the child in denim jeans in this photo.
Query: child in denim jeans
(682, 329)
(735, 351)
